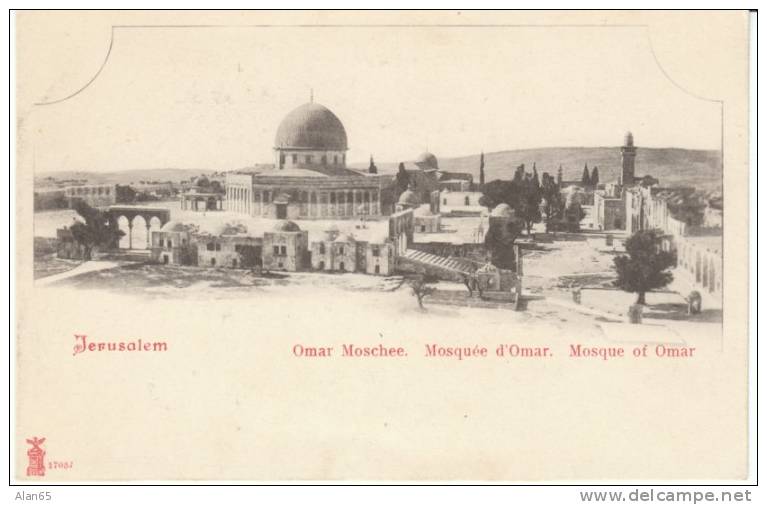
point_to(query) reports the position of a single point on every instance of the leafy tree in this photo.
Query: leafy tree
(203, 183)
(645, 267)
(519, 174)
(421, 286)
(249, 257)
(522, 193)
(499, 242)
(402, 179)
(498, 191)
(553, 203)
(125, 194)
(574, 213)
(528, 208)
(595, 176)
(586, 178)
(648, 181)
(96, 231)
(217, 187)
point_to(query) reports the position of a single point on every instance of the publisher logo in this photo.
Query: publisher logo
(36, 454)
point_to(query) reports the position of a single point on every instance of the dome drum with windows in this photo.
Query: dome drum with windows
(309, 136)
(309, 179)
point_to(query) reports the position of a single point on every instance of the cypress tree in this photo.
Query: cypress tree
(482, 169)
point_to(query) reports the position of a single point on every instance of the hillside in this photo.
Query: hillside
(672, 166)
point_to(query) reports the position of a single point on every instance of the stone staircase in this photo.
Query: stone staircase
(454, 265)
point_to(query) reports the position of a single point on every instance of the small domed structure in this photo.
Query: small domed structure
(628, 140)
(408, 198)
(286, 226)
(234, 229)
(174, 226)
(427, 160)
(502, 210)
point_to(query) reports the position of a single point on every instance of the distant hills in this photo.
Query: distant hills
(672, 166)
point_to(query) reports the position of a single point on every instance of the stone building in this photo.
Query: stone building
(309, 179)
(401, 230)
(379, 256)
(66, 245)
(491, 278)
(684, 215)
(700, 258)
(95, 195)
(609, 212)
(461, 203)
(345, 253)
(228, 246)
(201, 201)
(712, 216)
(409, 199)
(173, 244)
(341, 253)
(286, 247)
(426, 221)
(503, 229)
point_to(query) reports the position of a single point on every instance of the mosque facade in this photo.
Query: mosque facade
(309, 178)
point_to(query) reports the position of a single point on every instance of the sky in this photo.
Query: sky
(212, 98)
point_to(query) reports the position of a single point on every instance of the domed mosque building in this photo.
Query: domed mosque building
(309, 178)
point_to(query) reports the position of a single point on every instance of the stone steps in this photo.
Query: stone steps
(451, 264)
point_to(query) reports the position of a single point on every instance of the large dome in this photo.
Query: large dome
(427, 160)
(286, 226)
(311, 126)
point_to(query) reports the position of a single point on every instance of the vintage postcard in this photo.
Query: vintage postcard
(381, 246)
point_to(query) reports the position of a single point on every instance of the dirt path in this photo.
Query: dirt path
(84, 268)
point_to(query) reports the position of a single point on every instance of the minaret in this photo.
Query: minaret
(628, 154)
(372, 168)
